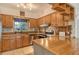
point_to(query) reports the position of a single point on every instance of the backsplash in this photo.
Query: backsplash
(7, 30)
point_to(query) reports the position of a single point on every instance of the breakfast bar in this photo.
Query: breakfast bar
(55, 46)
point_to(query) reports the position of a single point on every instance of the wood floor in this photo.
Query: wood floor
(21, 51)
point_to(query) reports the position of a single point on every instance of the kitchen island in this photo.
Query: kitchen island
(56, 46)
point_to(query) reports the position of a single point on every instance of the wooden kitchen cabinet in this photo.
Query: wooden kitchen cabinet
(18, 40)
(13, 42)
(0, 46)
(59, 6)
(54, 19)
(33, 23)
(67, 9)
(7, 21)
(57, 19)
(22, 40)
(25, 40)
(6, 41)
(47, 19)
(41, 20)
(60, 20)
(5, 44)
(66, 18)
(64, 7)
(3, 20)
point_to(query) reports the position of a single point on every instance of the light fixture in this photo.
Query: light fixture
(30, 6)
(24, 5)
(18, 5)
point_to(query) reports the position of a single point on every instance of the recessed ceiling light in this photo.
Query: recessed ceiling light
(18, 5)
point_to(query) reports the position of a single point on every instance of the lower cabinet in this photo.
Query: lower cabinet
(25, 40)
(0, 45)
(5, 44)
(12, 44)
(13, 41)
(22, 40)
(18, 41)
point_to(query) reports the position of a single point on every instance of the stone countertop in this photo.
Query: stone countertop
(19, 32)
(59, 45)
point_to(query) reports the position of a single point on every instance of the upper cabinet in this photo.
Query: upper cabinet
(33, 23)
(60, 19)
(48, 19)
(58, 6)
(53, 19)
(7, 21)
(57, 19)
(65, 9)
(44, 20)
(41, 20)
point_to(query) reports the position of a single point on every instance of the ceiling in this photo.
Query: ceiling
(37, 6)
(40, 9)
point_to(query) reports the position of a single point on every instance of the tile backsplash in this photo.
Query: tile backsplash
(7, 30)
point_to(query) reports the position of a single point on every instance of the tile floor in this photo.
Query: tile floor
(21, 51)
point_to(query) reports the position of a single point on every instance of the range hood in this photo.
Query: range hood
(44, 25)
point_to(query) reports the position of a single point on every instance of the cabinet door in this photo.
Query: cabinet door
(41, 20)
(57, 19)
(33, 23)
(0, 45)
(60, 20)
(5, 44)
(9, 21)
(13, 42)
(18, 41)
(54, 19)
(67, 18)
(3, 21)
(47, 19)
(25, 40)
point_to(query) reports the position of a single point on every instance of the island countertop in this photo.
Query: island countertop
(58, 45)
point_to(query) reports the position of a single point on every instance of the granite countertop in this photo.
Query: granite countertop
(58, 45)
(20, 32)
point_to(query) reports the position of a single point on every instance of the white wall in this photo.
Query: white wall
(76, 24)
